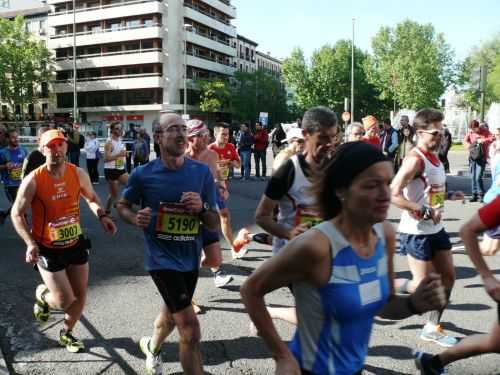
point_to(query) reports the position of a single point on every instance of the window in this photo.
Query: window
(133, 70)
(96, 99)
(147, 69)
(93, 50)
(147, 44)
(115, 25)
(148, 22)
(133, 23)
(114, 98)
(65, 100)
(114, 72)
(132, 46)
(44, 92)
(114, 48)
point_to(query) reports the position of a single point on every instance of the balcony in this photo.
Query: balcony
(146, 56)
(209, 20)
(124, 82)
(211, 43)
(104, 12)
(223, 6)
(206, 63)
(126, 33)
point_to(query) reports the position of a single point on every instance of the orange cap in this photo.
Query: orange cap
(51, 135)
(369, 122)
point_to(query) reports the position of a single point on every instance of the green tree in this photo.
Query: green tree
(411, 64)
(257, 92)
(326, 80)
(486, 55)
(24, 64)
(214, 95)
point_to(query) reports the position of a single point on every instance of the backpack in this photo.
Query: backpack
(476, 152)
(140, 151)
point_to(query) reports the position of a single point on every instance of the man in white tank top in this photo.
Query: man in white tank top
(419, 189)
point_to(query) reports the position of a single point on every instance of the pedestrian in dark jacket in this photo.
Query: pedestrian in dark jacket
(260, 150)
(245, 150)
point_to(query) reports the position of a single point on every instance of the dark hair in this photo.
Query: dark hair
(10, 131)
(222, 125)
(318, 118)
(425, 117)
(113, 124)
(349, 160)
(258, 123)
(387, 121)
(473, 124)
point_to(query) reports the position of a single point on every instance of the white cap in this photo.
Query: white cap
(294, 133)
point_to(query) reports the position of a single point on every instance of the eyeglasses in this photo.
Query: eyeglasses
(173, 129)
(359, 134)
(434, 133)
(299, 141)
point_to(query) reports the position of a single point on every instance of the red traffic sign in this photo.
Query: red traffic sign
(346, 116)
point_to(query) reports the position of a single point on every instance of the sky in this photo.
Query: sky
(280, 25)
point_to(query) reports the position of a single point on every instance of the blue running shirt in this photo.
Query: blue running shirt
(335, 321)
(15, 156)
(176, 244)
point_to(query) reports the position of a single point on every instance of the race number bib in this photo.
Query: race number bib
(175, 224)
(307, 215)
(65, 231)
(224, 169)
(119, 163)
(15, 173)
(437, 195)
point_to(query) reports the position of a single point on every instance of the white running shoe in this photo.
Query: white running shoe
(153, 360)
(221, 278)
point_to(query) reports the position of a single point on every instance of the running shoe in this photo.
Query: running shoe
(221, 278)
(436, 334)
(263, 238)
(243, 238)
(153, 360)
(41, 309)
(70, 342)
(427, 366)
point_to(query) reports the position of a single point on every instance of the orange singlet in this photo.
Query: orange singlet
(56, 208)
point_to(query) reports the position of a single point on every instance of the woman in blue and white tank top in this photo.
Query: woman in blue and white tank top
(341, 271)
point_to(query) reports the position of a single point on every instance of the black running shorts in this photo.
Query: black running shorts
(55, 260)
(176, 288)
(113, 174)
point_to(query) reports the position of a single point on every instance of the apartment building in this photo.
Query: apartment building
(132, 55)
(268, 63)
(36, 23)
(245, 54)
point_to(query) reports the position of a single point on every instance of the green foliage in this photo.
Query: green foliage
(214, 95)
(327, 80)
(411, 64)
(488, 55)
(255, 92)
(24, 63)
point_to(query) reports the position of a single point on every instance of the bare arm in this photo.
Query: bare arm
(299, 260)
(264, 217)
(89, 194)
(20, 208)
(411, 166)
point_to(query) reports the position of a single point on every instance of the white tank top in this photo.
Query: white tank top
(297, 200)
(117, 147)
(428, 189)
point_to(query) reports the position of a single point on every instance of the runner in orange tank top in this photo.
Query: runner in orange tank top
(55, 244)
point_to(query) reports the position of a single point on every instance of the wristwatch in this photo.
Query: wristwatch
(205, 207)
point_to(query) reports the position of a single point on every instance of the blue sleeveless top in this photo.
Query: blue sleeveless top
(335, 321)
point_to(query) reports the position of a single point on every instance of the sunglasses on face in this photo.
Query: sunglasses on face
(434, 133)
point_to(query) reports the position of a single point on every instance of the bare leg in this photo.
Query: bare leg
(419, 269)
(113, 194)
(78, 276)
(60, 295)
(163, 326)
(213, 256)
(443, 264)
(472, 346)
(189, 343)
(227, 231)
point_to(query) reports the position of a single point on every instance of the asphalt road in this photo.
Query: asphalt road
(123, 302)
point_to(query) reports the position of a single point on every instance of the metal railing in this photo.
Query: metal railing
(91, 32)
(208, 14)
(208, 36)
(102, 78)
(209, 58)
(80, 10)
(124, 52)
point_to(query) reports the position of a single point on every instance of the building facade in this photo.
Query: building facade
(130, 55)
(269, 64)
(246, 49)
(36, 23)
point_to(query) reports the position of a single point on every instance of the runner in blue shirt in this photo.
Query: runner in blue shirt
(176, 195)
(341, 271)
(11, 164)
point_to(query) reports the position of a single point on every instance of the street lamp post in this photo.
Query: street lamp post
(352, 72)
(187, 27)
(75, 98)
